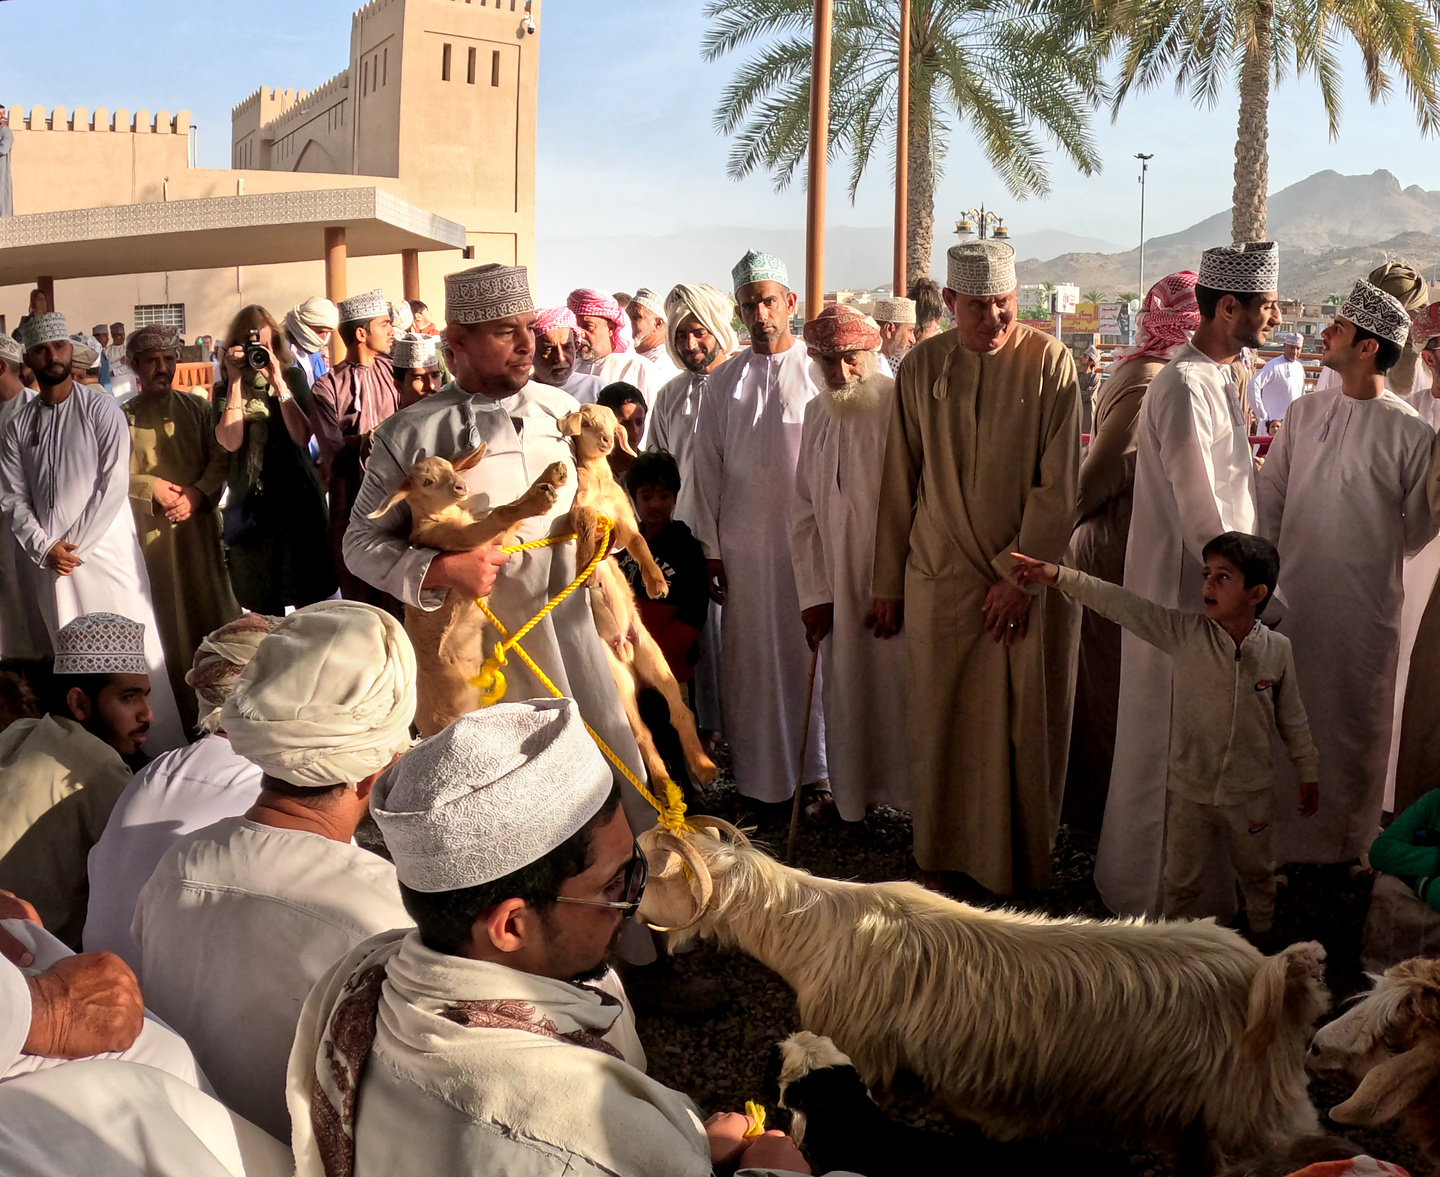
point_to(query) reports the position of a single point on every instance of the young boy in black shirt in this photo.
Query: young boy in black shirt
(675, 622)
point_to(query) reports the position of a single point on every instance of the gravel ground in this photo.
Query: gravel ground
(718, 1059)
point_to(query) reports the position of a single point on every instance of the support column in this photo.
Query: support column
(815, 175)
(335, 282)
(899, 281)
(410, 274)
(46, 285)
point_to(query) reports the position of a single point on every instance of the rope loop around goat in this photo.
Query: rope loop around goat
(670, 806)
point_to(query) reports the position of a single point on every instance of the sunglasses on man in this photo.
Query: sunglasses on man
(637, 873)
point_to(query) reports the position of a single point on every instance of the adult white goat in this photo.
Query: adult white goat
(1389, 1043)
(1065, 1029)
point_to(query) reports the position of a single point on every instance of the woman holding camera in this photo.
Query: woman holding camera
(276, 524)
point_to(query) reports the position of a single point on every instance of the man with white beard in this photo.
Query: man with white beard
(747, 442)
(832, 543)
(605, 344)
(648, 326)
(557, 342)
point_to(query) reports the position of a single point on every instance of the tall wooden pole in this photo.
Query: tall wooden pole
(335, 279)
(410, 274)
(819, 144)
(899, 285)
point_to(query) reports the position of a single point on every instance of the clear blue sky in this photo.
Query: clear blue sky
(626, 143)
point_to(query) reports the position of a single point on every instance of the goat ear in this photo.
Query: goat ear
(471, 460)
(399, 495)
(570, 424)
(1387, 1090)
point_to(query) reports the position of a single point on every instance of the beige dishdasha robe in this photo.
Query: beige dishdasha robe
(982, 460)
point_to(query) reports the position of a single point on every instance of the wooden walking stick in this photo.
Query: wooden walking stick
(804, 743)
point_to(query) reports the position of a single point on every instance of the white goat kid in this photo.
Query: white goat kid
(1389, 1043)
(1072, 1030)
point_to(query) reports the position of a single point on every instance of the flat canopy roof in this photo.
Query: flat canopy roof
(214, 233)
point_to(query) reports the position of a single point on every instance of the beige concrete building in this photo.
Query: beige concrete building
(434, 116)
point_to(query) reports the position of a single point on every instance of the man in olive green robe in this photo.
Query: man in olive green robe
(177, 471)
(982, 460)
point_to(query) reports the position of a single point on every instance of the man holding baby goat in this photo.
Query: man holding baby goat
(492, 400)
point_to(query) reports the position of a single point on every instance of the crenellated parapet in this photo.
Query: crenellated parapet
(61, 118)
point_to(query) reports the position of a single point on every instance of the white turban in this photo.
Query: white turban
(221, 658)
(303, 323)
(495, 791)
(328, 697)
(85, 350)
(714, 308)
(401, 315)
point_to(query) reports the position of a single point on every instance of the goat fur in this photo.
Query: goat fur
(449, 641)
(594, 431)
(1389, 1044)
(1073, 1030)
(633, 655)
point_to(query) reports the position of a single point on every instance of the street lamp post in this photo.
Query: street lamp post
(1144, 167)
(983, 222)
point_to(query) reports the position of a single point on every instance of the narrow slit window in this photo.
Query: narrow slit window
(445, 63)
(470, 67)
(385, 67)
(364, 78)
(495, 67)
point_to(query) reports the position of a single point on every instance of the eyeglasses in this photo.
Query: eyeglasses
(637, 873)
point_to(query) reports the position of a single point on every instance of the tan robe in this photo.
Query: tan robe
(58, 784)
(981, 461)
(172, 437)
(1107, 486)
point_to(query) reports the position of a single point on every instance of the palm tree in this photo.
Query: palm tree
(1094, 296)
(1009, 70)
(1204, 44)
(1126, 296)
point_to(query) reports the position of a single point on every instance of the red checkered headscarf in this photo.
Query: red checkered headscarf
(839, 329)
(1168, 317)
(603, 306)
(549, 319)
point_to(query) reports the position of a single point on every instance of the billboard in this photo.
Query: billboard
(1086, 319)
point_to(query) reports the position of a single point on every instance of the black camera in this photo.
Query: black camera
(257, 355)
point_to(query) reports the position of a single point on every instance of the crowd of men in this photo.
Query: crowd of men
(207, 733)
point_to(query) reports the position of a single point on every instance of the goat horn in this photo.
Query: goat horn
(701, 884)
(721, 827)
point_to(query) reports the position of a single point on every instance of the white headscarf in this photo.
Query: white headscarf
(303, 323)
(714, 308)
(328, 697)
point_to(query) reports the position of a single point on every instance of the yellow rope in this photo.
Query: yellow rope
(756, 1113)
(491, 679)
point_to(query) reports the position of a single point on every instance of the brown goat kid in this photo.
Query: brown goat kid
(449, 641)
(595, 431)
(634, 657)
(1069, 1030)
(1389, 1043)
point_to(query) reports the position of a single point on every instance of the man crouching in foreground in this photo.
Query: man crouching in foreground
(496, 1037)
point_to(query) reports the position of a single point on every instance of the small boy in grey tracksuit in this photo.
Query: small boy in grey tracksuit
(1234, 685)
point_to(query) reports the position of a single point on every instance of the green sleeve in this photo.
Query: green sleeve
(1395, 852)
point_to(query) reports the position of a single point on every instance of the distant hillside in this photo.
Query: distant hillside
(855, 258)
(1332, 230)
